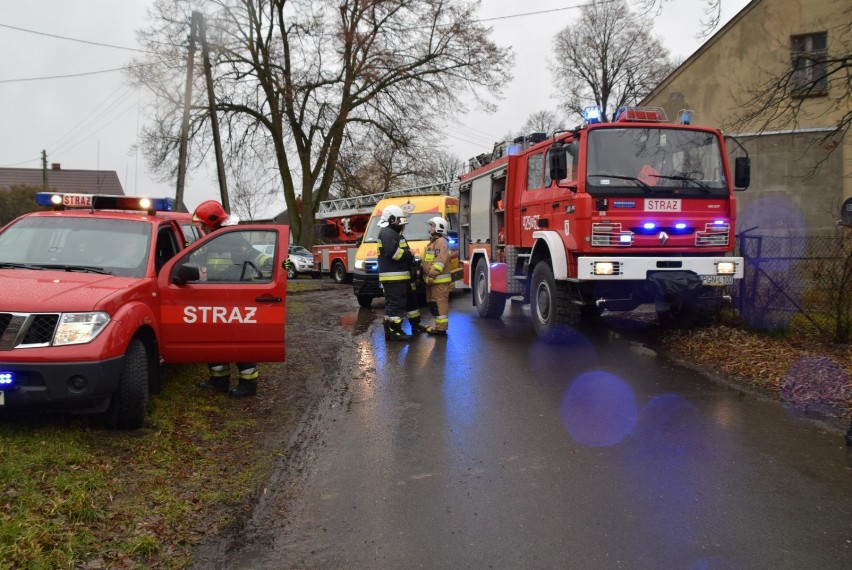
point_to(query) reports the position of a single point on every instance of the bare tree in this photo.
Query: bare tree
(252, 189)
(543, 122)
(815, 82)
(607, 58)
(292, 77)
(370, 163)
(712, 13)
(440, 166)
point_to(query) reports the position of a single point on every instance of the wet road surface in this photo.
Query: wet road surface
(488, 449)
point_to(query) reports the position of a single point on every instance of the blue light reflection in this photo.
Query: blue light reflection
(599, 409)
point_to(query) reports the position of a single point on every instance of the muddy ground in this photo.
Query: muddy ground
(323, 324)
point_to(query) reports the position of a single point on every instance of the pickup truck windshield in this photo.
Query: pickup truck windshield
(642, 161)
(117, 247)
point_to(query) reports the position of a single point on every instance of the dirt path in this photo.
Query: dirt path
(321, 356)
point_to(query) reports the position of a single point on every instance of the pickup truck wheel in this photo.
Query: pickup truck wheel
(338, 273)
(130, 399)
(365, 301)
(291, 273)
(489, 304)
(554, 314)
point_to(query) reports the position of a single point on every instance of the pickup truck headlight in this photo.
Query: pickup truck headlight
(359, 264)
(79, 328)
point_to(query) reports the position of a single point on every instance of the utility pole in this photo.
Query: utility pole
(197, 26)
(44, 169)
(184, 130)
(214, 120)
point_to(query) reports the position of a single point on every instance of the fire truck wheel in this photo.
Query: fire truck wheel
(489, 304)
(554, 315)
(130, 400)
(338, 273)
(365, 301)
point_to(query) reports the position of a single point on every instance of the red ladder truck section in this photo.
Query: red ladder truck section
(607, 216)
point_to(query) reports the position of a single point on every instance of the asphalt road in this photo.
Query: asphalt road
(488, 449)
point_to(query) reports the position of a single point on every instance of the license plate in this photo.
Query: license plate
(717, 280)
(662, 205)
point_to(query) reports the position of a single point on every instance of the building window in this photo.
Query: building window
(808, 54)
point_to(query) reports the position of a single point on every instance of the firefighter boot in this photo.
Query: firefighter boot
(217, 383)
(416, 325)
(244, 388)
(393, 331)
(220, 378)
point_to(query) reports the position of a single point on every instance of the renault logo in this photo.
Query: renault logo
(663, 237)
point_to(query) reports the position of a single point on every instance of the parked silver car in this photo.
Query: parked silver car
(302, 262)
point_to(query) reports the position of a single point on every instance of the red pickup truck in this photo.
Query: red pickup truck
(100, 290)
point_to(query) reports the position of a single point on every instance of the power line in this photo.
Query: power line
(100, 44)
(83, 74)
(576, 7)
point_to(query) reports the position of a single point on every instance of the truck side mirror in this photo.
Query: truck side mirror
(358, 240)
(742, 172)
(558, 162)
(186, 273)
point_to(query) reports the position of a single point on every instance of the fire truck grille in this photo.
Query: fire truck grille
(714, 235)
(610, 235)
(22, 330)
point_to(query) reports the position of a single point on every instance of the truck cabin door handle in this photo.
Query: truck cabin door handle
(268, 299)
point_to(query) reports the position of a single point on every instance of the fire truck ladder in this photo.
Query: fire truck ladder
(364, 204)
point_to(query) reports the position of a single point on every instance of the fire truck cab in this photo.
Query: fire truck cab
(101, 289)
(605, 216)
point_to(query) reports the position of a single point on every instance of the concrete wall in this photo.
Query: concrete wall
(718, 81)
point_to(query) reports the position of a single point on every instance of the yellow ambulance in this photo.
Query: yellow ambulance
(418, 208)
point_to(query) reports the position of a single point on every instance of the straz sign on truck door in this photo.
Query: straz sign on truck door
(235, 311)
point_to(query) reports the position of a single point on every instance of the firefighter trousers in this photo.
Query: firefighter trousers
(438, 298)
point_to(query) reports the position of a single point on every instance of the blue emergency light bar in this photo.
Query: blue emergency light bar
(60, 201)
(6, 379)
(592, 114)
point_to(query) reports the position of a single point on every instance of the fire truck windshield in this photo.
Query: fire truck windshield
(417, 228)
(117, 247)
(642, 161)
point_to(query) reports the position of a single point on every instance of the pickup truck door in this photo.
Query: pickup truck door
(233, 312)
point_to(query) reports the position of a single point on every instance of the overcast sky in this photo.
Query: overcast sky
(91, 121)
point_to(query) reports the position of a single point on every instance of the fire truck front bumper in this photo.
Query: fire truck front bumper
(713, 271)
(76, 386)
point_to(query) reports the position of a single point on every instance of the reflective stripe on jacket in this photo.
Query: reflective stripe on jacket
(436, 260)
(394, 256)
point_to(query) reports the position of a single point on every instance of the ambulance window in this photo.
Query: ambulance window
(535, 167)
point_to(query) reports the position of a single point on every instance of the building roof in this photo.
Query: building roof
(60, 180)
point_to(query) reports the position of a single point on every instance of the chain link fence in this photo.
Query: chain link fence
(797, 283)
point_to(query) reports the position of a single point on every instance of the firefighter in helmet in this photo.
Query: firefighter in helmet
(436, 274)
(230, 265)
(395, 275)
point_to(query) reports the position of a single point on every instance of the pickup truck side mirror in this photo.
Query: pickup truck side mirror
(742, 172)
(186, 273)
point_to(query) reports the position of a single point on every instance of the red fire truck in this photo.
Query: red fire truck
(341, 225)
(605, 216)
(101, 289)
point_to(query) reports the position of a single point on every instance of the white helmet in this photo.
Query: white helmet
(393, 216)
(441, 225)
